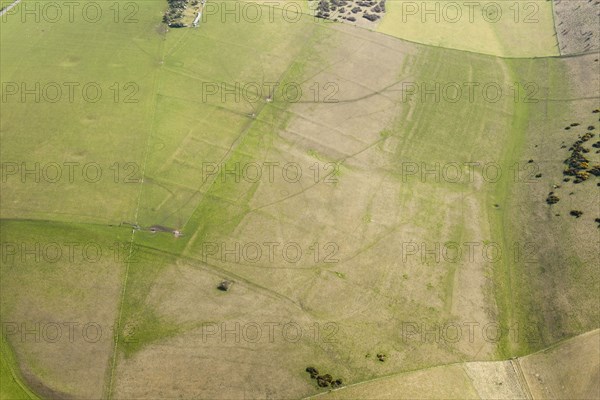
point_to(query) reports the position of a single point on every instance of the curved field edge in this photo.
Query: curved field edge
(11, 382)
(59, 286)
(465, 27)
(155, 282)
(513, 138)
(531, 376)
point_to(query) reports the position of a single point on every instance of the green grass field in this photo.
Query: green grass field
(487, 27)
(374, 205)
(538, 377)
(12, 384)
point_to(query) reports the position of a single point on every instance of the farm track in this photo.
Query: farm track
(232, 148)
(113, 359)
(516, 365)
(216, 268)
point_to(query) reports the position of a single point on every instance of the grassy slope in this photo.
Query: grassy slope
(431, 132)
(577, 379)
(445, 382)
(61, 286)
(419, 137)
(105, 132)
(176, 193)
(562, 281)
(11, 386)
(483, 136)
(502, 38)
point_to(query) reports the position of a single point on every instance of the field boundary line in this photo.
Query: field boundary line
(118, 324)
(520, 376)
(332, 26)
(461, 363)
(392, 375)
(10, 358)
(244, 131)
(137, 209)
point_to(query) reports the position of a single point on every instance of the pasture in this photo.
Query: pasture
(496, 28)
(372, 201)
